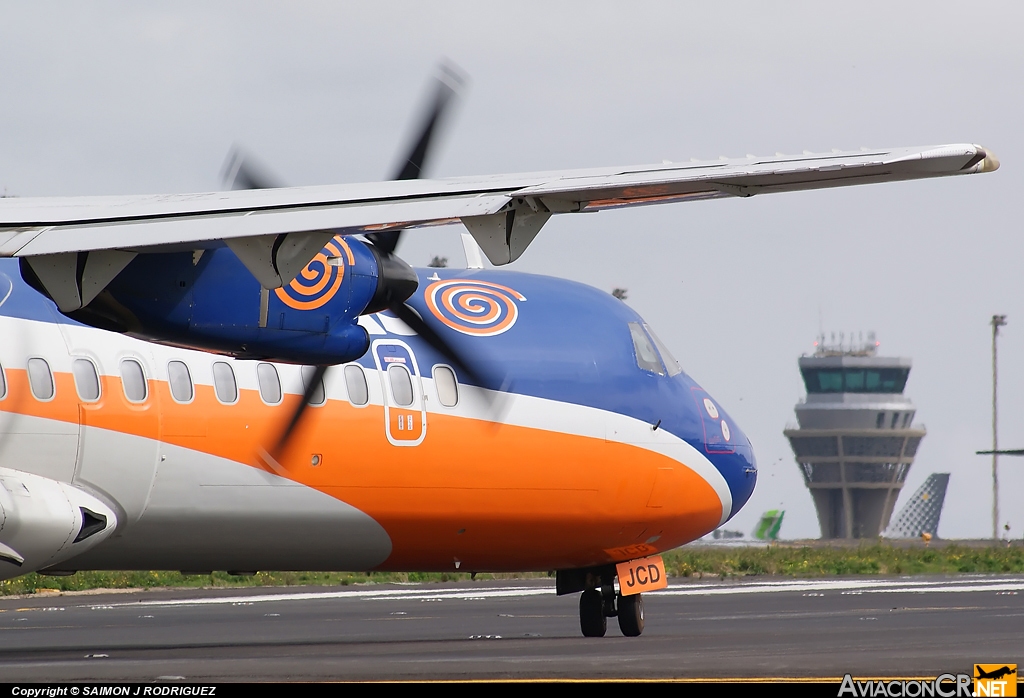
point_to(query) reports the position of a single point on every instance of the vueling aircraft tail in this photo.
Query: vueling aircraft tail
(768, 527)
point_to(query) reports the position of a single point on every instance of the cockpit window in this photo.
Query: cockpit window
(646, 357)
(671, 364)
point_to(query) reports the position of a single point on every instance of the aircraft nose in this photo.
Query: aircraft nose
(727, 447)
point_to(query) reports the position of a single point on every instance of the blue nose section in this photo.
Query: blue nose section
(726, 446)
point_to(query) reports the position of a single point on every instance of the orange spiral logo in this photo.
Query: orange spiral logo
(319, 281)
(478, 308)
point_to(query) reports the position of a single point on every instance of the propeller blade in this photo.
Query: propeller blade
(240, 172)
(448, 82)
(312, 387)
(498, 401)
(411, 318)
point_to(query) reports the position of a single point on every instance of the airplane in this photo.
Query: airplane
(766, 528)
(166, 403)
(994, 674)
(768, 525)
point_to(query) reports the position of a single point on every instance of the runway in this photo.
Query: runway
(515, 630)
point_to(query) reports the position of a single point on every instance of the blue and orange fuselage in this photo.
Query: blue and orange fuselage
(578, 452)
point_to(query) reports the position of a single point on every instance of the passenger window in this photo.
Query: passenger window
(355, 380)
(3, 384)
(906, 419)
(646, 358)
(880, 421)
(401, 384)
(180, 380)
(270, 383)
(224, 383)
(87, 382)
(40, 379)
(319, 396)
(895, 419)
(446, 385)
(133, 380)
(674, 369)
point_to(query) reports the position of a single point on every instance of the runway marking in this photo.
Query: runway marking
(710, 679)
(818, 587)
(41, 608)
(367, 595)
(880, 586)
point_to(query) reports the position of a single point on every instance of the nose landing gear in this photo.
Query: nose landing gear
(631, 615)
(597, 605)
(593, 621)
(599, 602)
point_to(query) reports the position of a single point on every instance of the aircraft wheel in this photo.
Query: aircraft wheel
(631, 615)
(592, 619)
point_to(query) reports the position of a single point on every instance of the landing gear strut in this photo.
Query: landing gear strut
(598, 605)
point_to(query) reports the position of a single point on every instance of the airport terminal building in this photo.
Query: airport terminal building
(855, 440)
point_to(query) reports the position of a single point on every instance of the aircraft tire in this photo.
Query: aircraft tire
(593, 622)
(631, 615)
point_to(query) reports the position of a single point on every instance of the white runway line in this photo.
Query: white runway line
(865, 586)
(363, 594)
(697, 589)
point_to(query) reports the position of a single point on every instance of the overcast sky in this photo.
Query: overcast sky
(116, 98)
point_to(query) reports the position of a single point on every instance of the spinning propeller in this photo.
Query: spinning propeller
(396, 280)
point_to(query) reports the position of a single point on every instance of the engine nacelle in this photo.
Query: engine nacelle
(209, 300)
(44, 522)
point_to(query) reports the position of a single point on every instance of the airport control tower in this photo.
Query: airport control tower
(855, 442)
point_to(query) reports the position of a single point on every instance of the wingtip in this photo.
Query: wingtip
(988, 163)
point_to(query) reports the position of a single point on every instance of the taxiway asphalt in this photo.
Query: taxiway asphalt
(515, 630)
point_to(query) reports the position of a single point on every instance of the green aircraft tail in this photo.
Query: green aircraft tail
(768, 527)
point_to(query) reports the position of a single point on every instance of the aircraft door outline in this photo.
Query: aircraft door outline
(405, 412)
(125, 474)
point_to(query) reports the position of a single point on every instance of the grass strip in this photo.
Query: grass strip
(82, 581)
(875, 559)
(774, 560)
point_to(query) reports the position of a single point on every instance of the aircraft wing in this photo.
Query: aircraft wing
(503, 212)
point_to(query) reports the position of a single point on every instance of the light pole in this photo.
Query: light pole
(997, 322)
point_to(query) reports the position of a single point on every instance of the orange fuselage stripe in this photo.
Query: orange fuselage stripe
(486, 496)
